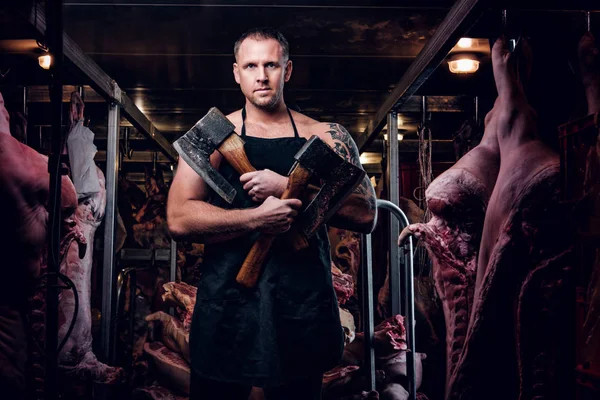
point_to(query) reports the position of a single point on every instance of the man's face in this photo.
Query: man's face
(261, 71)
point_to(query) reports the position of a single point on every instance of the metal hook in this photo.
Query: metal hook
(128, 149)
(512, 43)
(424, 111)
(588, 21)
(154, 161)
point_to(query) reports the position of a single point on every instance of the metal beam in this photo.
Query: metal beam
(105, 86)
(110, 220)
(394, 197)
(458, 21)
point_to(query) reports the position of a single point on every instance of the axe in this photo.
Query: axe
(214, 132)
(340, 180)
(317, 158)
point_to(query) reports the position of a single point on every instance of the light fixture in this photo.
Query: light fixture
(45, 61)
(400, 122)
(463, 63)
(465, 43)
(400, 136)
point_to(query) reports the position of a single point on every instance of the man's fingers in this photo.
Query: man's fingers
(248, 185)
(247, 176)
(294, 203)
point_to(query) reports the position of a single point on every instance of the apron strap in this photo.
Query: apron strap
(296, 135)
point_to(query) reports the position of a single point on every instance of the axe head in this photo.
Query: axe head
(339, 176)
(196, 146)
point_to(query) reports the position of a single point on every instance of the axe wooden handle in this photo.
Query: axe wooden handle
(296, 238)
(252, 266)
(232, 150)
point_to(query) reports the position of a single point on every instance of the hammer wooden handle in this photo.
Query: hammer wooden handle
(252, 266)
(232, 150)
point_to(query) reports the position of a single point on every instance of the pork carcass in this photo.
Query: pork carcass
(171, 366)
(24, 191)
(76, 357)
(589, 61)
(343, 284)
(589, 66)
(170, 332)
(182, 296)
(155, 392)
(517, 323)
(458, 201)
(151, 230)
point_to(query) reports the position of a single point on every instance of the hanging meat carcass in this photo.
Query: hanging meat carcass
(76, 357)
(24, 192)
(457, 200)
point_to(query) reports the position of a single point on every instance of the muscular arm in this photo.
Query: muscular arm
(190, 217)
(358, 213)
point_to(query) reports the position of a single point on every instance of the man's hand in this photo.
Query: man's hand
(264, 183)
(275, 216)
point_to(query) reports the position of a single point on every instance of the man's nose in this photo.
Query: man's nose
(262, 75)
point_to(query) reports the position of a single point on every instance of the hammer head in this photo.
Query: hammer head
(196, 146)
(339, 176)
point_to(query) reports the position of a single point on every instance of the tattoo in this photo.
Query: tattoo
(344, 145)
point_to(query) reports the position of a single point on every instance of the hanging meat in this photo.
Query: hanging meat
(589, 62)
(24, 183)
(76, 357)
(457, 200)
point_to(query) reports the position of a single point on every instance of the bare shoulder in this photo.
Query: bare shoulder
(339, 139)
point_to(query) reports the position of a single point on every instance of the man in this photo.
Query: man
(284, 334)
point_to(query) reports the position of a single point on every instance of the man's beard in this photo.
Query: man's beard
(270, 104)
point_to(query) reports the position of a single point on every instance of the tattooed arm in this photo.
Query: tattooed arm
(358, 213)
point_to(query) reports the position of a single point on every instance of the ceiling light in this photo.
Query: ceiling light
(400, 122)
(45, 61)
(400, 136)
(463, 64)
(465, 43)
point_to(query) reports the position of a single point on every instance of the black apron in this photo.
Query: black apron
(288, 327)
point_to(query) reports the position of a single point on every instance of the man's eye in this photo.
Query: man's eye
(250, 66)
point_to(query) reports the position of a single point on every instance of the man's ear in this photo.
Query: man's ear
(288, 70)
(236, 73)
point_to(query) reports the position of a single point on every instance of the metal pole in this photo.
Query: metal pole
(394, 193)
(368, 320)
(108, 270)
(409, 298)
(25, 112)
(173, 260)
(476, 110)
(54, 38)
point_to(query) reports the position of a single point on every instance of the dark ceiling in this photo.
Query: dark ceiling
(174, 59)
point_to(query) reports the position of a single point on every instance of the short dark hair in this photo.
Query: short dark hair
(263, 33)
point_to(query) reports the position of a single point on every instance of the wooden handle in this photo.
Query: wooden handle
(252, 266)
(296, 238)
(232, 150)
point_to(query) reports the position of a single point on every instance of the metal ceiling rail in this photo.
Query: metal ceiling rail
(105, 86)
(460, 18)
